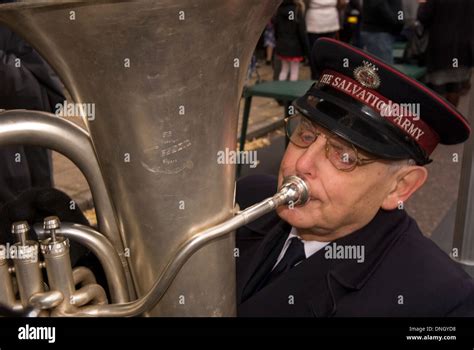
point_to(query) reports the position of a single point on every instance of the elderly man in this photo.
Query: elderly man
(359, 140)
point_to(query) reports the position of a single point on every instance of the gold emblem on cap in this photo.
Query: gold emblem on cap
(367, 75)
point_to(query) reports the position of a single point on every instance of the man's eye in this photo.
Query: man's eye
(306, 137)
(347, 158)
(343, 154)
(341, 148)
(337, 148)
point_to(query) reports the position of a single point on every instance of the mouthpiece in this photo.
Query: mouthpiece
(294, 190)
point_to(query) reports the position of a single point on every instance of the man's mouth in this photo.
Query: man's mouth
(311, 199)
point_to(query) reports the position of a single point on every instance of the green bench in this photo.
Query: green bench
(413, 71)
(398, 50)
(416, 72)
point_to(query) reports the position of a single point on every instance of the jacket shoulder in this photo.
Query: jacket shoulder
(255, 188)
(426, 280)
(450, 284)
(252, 190)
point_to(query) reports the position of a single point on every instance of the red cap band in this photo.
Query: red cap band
(401, 115)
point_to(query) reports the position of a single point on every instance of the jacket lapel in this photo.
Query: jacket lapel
(377, 239)
(347, 275)
(302, 291)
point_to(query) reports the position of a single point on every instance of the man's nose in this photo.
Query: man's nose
(312, 156)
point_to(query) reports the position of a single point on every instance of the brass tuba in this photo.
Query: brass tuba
(165, 78)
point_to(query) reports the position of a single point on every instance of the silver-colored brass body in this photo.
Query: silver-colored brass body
(165, 78)
(58, 295)
(61, 276)
(25, 256)
(64, 300)
(28, 276)
(103, 250)
(55, 251)
(7, 297)
(293, 191)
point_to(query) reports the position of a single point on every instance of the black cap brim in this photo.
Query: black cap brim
(361, 125)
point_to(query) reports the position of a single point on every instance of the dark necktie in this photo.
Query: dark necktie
(293, 255)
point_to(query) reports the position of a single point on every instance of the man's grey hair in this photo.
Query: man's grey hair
(396, 165)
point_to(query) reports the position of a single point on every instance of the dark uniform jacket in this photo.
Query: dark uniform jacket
(26, 82)
(404, 274)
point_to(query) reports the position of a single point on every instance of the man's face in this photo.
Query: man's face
(340, 202)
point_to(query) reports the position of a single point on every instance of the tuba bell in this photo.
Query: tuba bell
(165, 78)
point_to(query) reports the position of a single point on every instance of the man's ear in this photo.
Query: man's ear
(406, 182)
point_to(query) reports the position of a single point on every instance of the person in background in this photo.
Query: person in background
(269, 42)
(450, 51)
(410, 9)
(350, 23)
(382, 21)
(291, 39)
(322, 20)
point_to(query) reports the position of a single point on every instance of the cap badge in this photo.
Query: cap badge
(367, 75)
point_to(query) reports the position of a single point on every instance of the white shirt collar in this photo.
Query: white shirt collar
(310, 247)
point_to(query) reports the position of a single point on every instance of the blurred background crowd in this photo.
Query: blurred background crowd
(436, 34)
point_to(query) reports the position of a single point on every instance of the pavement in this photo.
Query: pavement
(433, 206)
